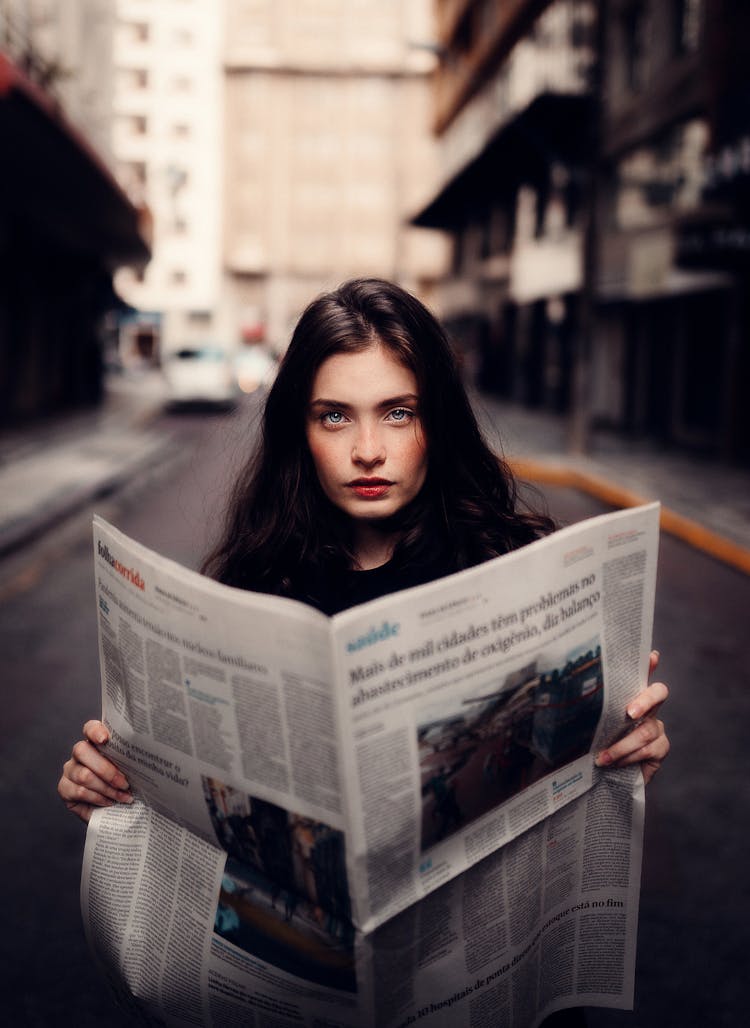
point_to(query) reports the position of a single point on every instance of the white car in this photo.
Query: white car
(200, 374)
(254, 367)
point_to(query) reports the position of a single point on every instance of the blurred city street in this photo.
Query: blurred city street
(564, 183)
(695, 898)
(54, 468)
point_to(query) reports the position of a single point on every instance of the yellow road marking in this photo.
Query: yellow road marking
(690, 532)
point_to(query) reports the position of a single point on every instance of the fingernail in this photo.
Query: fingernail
(634, 712)
(603, 759)
(655, 653)
(127, 798)
(101, 737)
(120, 782)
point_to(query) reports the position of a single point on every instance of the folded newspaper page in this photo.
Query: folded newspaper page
(384, 818)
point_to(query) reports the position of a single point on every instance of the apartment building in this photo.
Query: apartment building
(596, 161)
(513, 117)
(328, 149)
(166, 137)
(278, 147)
(673, 340)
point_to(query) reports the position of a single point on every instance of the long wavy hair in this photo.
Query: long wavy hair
(281, 533)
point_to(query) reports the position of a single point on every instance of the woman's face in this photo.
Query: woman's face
(365, 434)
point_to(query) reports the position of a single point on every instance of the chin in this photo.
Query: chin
(373, 513)
(389, 515)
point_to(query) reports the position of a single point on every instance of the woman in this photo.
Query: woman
(371, 476)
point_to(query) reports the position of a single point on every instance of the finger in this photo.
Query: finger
(88, 755)
(648, 765)
(80, 800)
(82, 810)
(648, 700)
(656, 751)
(70, 793)
(649, 769)
(79, 774)
(643, 736)
(96, 732)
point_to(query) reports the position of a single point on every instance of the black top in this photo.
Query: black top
(338, 590)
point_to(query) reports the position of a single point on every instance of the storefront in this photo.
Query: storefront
(65, 226)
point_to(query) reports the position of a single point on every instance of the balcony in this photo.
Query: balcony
(473, 50)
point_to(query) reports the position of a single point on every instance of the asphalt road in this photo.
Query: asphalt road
(693, 937)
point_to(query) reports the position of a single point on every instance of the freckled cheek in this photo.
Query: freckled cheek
(328, 458)
(413, 457)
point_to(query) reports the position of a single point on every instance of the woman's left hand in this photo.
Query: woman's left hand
(647, 744)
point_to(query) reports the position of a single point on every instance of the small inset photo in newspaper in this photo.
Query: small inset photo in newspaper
(284, 895)
(496, 742)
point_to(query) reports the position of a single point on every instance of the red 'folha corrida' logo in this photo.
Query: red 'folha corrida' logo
(131, 574)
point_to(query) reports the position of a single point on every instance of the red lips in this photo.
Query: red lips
(370, 488)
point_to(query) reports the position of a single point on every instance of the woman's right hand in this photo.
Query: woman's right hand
(90, 779)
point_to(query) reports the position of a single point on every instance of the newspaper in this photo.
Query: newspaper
(384, 818)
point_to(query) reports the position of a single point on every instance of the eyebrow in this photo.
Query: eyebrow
(410, 399)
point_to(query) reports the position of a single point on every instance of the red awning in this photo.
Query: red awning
(53, 178)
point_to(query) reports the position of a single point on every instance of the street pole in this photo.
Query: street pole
(579, 420)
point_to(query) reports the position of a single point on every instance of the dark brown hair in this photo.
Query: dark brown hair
(281, 532)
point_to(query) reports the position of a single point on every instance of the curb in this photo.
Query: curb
(18, 533)
(14, 535)
(688, 531)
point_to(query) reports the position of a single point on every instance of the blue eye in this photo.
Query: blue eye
(332, 417)
(401, 414)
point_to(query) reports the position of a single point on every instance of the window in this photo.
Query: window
(134, 175)
(498, 228)
(540, 211)
(686, 25)
(457, 256)
(140, 31)
(132, 78)
(199, 317)
(177, 178)
(634, 30)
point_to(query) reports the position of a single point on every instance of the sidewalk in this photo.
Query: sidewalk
(53, 469)
(703, 503)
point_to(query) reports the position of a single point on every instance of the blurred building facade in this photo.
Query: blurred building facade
(166, 137)
(279, 146)
(65, 225)
(595, 172)
(328, 148)
(673, 333)
(513, 114)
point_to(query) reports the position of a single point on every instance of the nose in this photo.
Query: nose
(369, 447)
